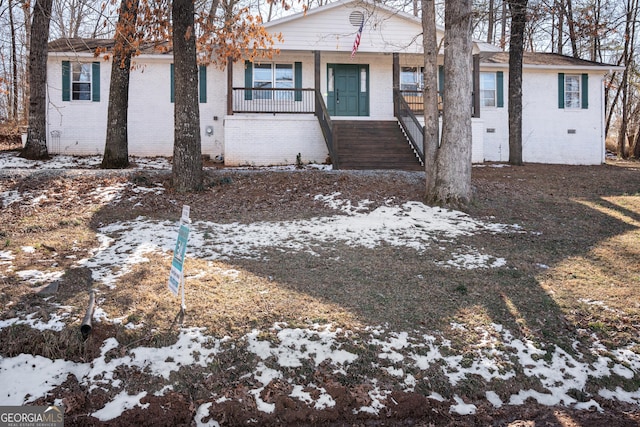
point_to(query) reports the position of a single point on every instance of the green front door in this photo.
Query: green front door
(348, 89)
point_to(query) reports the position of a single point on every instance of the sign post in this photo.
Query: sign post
(176, 276)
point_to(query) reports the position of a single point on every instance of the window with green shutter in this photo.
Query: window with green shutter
(573, 91)
(80, 81)
(492, 89)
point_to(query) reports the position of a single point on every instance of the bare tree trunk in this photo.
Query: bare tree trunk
(610, 107)
(491, 21)
(14, 67)
(595, 54)
(629, 41)
(187, 149)
(36, 147)
(430, 92)
(516, 47)
(572, 30)
(636, 144)
(26, 11)
(453, 179)
(560, 11)
(116, 150)
(503, 23)
(214, 8)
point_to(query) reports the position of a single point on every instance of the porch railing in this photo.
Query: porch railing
(416, 103)
(261, 100)
(327, 127)
(410, 124)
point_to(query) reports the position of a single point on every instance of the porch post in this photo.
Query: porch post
(396, 81)
(316, 80)
(229, 87)
(476, 86)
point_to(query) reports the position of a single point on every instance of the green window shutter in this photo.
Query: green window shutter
(298, 80)
(248, 80)
(560, 90)
(585, 91)
(66, 81)
(499, 89)
(173, 89)
(441, 78)
(95, 82)
(202, 74)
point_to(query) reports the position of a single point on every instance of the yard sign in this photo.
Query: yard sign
(176, 276)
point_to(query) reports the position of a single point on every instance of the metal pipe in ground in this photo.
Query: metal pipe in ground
(85, 327)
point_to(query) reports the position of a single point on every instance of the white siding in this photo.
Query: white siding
(82, 125)
(477, 140)
(261, 140)
(329, 29)
(545, 127)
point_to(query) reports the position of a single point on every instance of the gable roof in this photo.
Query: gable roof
(333, 28)
(367, 5)
(545, 60)
(330, 28)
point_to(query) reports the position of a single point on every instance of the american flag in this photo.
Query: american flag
(356, 42)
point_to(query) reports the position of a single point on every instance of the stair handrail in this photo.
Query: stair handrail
(410, 124)
(327, 127)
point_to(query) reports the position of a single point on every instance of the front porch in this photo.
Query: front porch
(289, 124)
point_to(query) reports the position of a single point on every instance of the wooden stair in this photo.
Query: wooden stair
(372, 145)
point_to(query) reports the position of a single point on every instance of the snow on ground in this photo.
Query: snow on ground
(10, 160)
(401, 355)
(412, 225)
(30, 377)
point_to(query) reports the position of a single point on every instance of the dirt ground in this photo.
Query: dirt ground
(539, 197)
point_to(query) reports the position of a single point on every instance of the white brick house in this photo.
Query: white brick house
(267, 113)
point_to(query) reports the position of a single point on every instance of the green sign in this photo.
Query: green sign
(176, 274)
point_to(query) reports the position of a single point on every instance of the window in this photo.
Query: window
(488, 89)
(330, 80)
(572, 91)
(80, 81)
(270, 76)
(411, 78)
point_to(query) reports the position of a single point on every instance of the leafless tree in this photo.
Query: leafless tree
(187, 148)
(452, 185)
(36, 147)
(116, 150)
(516, 47)
(430, 93)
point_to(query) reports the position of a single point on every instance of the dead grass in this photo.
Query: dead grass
(587, 220)
(572, 273)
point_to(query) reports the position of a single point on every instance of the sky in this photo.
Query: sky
(498, 356)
